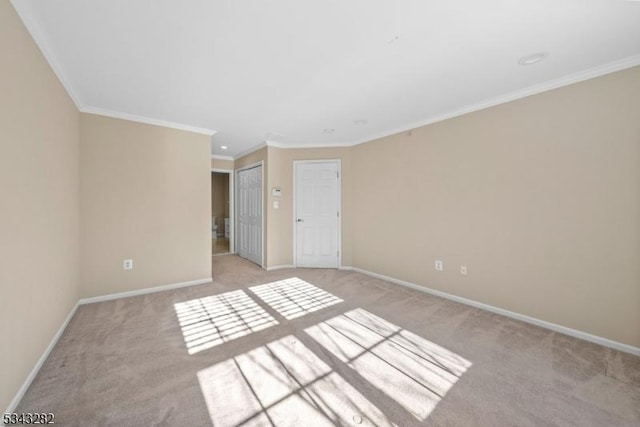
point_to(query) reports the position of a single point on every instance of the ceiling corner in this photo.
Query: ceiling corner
(40, 39)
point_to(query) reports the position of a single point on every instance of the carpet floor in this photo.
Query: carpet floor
(322, 347)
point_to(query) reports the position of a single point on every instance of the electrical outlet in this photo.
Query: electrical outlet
(439, 265)
(127, 264)
(463, 270)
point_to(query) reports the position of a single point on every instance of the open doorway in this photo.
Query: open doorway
(221, 212)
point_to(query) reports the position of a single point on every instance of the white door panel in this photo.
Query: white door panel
(317, 214)
(249, 214)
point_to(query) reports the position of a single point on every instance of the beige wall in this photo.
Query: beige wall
(252, 158)
(540, 198)
(39, 204)
(280, 223)
(145, 195)
(278, 233)
(222, 164)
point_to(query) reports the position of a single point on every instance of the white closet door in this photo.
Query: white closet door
(249, 214)
(317, 214)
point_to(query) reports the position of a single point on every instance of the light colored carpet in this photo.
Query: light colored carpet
(322, 347)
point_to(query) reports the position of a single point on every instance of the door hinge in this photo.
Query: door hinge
(338, 214)
(338, 253)
(338, 175)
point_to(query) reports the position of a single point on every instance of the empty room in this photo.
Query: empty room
(284, 213)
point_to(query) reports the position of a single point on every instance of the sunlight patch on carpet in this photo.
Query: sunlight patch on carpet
(213, 320)
(283, 383)
(409, 369)
(294, 297)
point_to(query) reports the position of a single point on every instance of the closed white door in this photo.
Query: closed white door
(317, 213)
(249, 214)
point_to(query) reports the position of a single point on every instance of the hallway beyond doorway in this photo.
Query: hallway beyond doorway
(220, 246)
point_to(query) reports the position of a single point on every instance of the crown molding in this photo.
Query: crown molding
(39, 37)
(147, 120)
(591, 73)
(219, 157)
(23, 9)
(567, 80)
(250, 150)
(308, 145)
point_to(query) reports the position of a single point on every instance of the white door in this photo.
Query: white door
(249, 214)
(317, 213)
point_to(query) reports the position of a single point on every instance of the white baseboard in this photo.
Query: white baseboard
(20, 394)
(279, 267)
(532, 320)
(18, 397)
(144, 291)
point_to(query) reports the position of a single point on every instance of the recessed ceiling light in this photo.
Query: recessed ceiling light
(328, 130)
(224, 147)
(533, 59)
(360, 122)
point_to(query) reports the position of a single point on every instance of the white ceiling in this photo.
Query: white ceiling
(286, 70)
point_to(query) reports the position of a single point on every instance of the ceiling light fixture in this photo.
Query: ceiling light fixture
(224, 147)
(533, 59)
(360, 122)
(328, 130)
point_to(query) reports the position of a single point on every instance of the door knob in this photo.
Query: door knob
(300, 220)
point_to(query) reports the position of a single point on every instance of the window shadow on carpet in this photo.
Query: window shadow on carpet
(283, 383)
(293, 297)
(411, 370)
(209, 321)
(286, 382)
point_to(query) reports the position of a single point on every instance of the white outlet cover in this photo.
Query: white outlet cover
(127, 264)
(463, 270)
(439, 265)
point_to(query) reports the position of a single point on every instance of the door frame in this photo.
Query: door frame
(231, 205)
(293, 208)
(262, 185)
